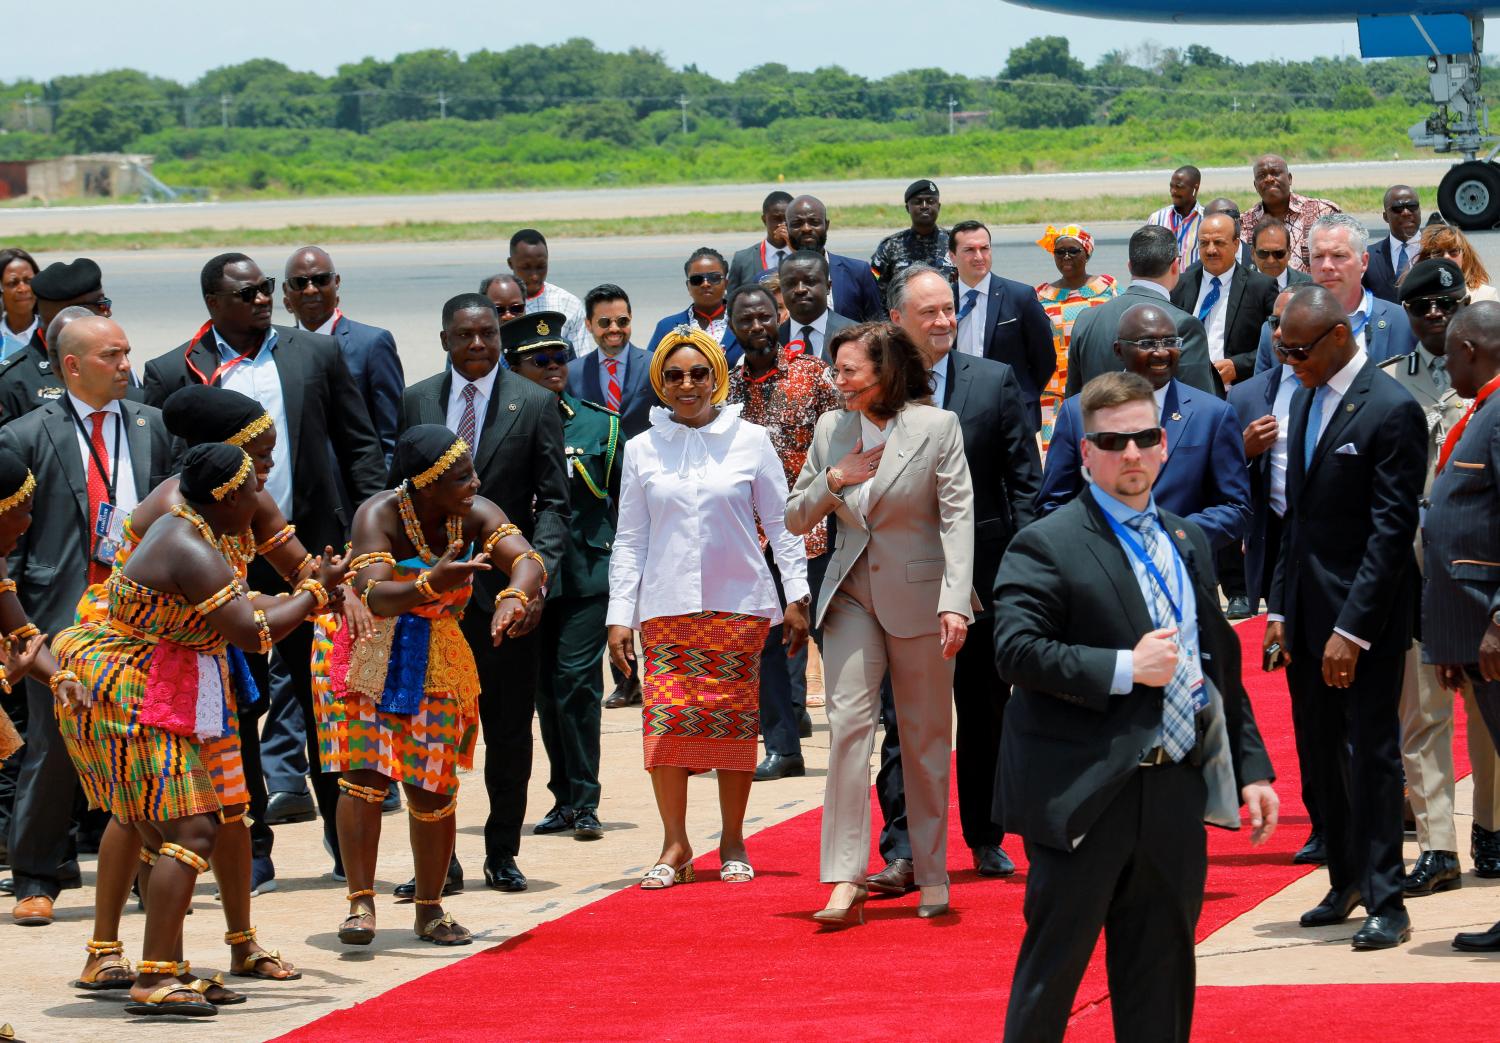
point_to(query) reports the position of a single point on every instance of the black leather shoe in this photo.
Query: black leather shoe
(1312, 853)
(1333, 909)
(392, 801)
(991, 860)
(558, 820)
(626, 693)
(586, 825)
(453, 884)
(1435, 871)
(285, 808)
(1238, 608)
(780, 766)
(1478, 941)
(1484, 849)
(897, 878)
(1383, 932)
(804, 725)
(503, 874)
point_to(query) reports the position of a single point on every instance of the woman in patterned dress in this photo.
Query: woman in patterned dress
(403, 704)
(688, 572)
(1069, 296)
(159, 680)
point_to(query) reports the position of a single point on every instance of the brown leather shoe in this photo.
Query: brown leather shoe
(897, 878)
(35, 911)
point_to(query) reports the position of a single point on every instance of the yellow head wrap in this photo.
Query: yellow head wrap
(699, 340)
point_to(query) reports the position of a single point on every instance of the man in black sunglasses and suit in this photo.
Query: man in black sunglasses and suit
(327, 455)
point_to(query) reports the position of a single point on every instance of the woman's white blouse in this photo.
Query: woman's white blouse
(686, 540)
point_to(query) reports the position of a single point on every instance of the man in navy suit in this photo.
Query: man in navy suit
(1204, 477)
(1394, 254)
(1343, 604)
(706, 273)
(606, 311)
(804, 290)
(853, 292)
(1001, 319)
(749, 264)
(1338, 246)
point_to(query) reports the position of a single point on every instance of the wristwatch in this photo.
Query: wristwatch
(835, 475)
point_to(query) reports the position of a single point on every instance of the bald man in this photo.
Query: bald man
(853, 291)
(94, 454)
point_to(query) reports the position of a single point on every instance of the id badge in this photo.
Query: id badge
(1196, 686)
(109, 530)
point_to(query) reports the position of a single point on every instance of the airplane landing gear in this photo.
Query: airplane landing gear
(1469, 195)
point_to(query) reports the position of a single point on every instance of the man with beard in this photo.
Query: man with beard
(852, 289)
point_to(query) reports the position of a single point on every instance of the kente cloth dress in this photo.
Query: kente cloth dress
(1063, 308)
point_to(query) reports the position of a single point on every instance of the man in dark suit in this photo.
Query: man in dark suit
(705, 277)
(1224, 205)
(852, 285)
(327, 459)
(1001, 319)
(91, 432)
(804, 290)
(1127, 730)
(1401, 211)
(1203, 478)
(624, 386)
(517, 429)
(1001, 450)
(1231, 300)
(749, 264)
(28, 378)
(1344, 599)
(1271, 248)
(1461, 599)
(1153, 272)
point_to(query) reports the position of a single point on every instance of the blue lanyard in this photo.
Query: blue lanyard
(1186, 225)
(1151, 569)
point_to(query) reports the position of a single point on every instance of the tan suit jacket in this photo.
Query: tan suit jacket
(919, 533)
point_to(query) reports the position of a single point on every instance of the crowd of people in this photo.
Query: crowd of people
(270, 581)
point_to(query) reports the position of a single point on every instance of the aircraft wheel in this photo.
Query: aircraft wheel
(1469, 196)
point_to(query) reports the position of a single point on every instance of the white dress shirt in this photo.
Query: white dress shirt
(1281, 409)
(116, 451)
(1214, 321)
(258, 378)
(1412, 246)
(686, 540)
(12, 342)
(484, 387)
(815, 340)
(768, 252)
(971, 329)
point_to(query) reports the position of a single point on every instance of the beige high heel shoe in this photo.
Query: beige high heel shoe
(927, 910)
(836, 915)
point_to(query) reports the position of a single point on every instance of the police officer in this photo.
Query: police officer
(572, 633)
(925, 242)
(28, 378)
(1431, 294)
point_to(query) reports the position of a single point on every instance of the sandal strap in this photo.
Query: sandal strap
(446, 920)
(274, 955)
(104, 948)
(736, 867)
(158, 998)
(202, 985)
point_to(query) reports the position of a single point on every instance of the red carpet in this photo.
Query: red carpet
(714, 961)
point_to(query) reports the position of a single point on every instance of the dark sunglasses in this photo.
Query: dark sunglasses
(1068, 251)
(712, 278)
(321, 280)
(503, 310)
(1116, 441)
(1405, 208)
(1302, 354)
(248, 294)
(605, 322)
(1271, 255)
(696, 375)
(1426, 305)
(99, 304)
(542, 359)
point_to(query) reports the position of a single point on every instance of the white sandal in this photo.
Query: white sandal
(663, 875)
(735, 868)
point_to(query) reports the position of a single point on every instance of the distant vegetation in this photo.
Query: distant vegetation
(572, 115)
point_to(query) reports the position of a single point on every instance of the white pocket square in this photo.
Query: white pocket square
(1347, 449)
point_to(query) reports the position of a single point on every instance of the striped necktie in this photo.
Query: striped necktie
(1178, 732)
(466, 420)
(612, 388)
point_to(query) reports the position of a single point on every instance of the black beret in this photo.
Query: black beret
(916, 188)
(199, 413)
(63, 282)
(207, 467)
(527, 333)
(418, 449)
(1434, 277)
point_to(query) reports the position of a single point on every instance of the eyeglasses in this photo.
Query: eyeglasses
(696, 375)
(1271, 255)
(712, 278)
(503, 310)
(1405, 208)
(321, 280)
(605, 322)
(1116, 441)
(1302, 354)
(1159, 344)
(1068, 251)
(248, 294)
(542, 359)
(1427, 305)
(99, 305)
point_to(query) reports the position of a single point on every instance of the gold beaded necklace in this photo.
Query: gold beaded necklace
(453, 527)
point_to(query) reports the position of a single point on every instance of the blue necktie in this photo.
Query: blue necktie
(969, 300)
(1209, 301)
(1401, 259)
(1314, 421)
(1178, 733)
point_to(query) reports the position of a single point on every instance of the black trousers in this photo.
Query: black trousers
(507, 702)
(570, 696)
(14, 705)
(1354, 746)
(1487, 698)
(1138, 875)
(1229, 562)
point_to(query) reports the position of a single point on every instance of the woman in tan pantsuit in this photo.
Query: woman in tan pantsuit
(897, 597)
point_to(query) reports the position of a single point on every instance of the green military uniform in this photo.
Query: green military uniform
(572, 629)
(27, 381)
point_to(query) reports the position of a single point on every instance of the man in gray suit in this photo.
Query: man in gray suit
(95, 455)
(1461, 539)
(1153, 272)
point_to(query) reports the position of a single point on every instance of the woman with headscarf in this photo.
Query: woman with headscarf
(403, 704)
(687, 571)
(160, 680)
(1448, 242)
(1064, 299)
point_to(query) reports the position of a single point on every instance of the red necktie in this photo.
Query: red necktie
(612, 392)
(98, 461)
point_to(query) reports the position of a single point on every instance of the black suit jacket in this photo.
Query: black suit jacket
(1001, 450)
(1346, 556)
(528, 480)
(1066, 601)
(1019, 334)
(1251, 298)
(1380, 273)
(1252, 399)
(28, 382)
(50, 563)
(332, 438)
(792, 330)
(636, 397)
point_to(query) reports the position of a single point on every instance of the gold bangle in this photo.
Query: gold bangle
(499, 534)
(264, 627)
(534, 556)
(424, 586)
(24, 632)
(316, 589)
(61, 678)
(512, 592)
(7, 586)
